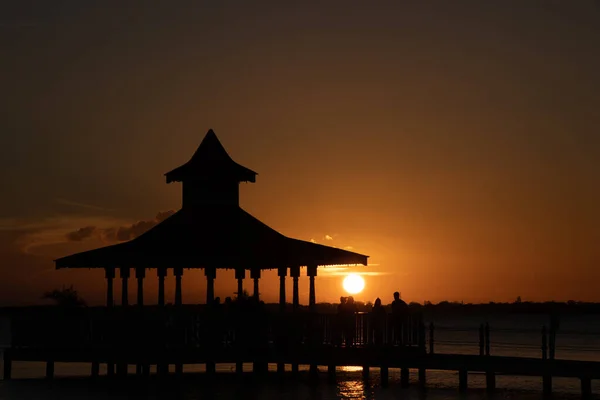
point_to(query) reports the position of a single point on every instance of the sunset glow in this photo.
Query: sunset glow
(354, 283)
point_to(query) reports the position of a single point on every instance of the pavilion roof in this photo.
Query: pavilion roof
(217, 237)
(211, 159)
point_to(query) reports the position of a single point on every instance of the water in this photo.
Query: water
(577, 340)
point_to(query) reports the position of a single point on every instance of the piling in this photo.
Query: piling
(95, 370)
(404, 377)
(481, 340)
(49, 369)
(490, 380)
(431, 328)
(422, 377)
(487, 339)
(331, 373)
(365, 372)
(586, 388)
(463, 380)
(7, 365)
(385, 374)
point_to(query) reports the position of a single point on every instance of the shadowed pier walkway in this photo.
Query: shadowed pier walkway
(199, 335)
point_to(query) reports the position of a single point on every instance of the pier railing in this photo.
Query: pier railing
(203, 327)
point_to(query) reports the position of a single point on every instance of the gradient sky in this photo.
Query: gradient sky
(455, 142)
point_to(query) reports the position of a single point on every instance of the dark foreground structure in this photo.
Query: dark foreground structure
(212, 232)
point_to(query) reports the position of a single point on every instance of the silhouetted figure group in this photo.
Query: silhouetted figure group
(381, 327)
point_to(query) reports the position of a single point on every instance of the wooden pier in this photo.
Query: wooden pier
(199, 335)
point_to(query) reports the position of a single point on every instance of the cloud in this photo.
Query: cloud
(349, 248)
(81, 233)
(327, 237)
(80, 205)
(313, 240)
(29, 234)
(119, 233)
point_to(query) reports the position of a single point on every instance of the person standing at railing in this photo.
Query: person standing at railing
(378, 317)
(399, 318)
(340, 322)
(350, 324)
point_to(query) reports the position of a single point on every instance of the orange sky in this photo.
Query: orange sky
(457, 143)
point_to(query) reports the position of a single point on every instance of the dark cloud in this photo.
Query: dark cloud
(120, 233)
(80, 234)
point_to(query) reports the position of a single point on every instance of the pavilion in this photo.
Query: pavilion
(211, 232)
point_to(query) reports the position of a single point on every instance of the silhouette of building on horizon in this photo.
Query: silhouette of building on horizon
(210, 232)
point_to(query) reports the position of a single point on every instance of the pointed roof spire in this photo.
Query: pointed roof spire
(211, 160)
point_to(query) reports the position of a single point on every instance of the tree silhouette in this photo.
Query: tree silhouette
(65, 297)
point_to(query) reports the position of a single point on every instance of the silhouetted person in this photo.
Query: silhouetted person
(399, 316)
(378, 317)
(339, 322)
(350, 321)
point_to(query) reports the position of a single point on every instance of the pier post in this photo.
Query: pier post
(487, 339)
(490, 380)
(422, 377)
(282, 273)
(240, 274)
(422, 335)
(481, 340)
(95, 370)
(544, 343)
(313, 371)
(463, 380)
(404, 377)
(331, 373)
(178, 272)
(140, 274)
(365, 371)
(385, 375)
(110, 369)
(161, 273)
(547, 384)
(124, 272)
(49, 369)
(311, 272)
(295, 274)
(179, 369)
(586, 388)
(7, 361)
(121, 369)
(110, 275)
(255, 275)
(211, 275)
(431, 331)
(211, 367)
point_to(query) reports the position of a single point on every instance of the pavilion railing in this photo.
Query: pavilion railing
(197, 327)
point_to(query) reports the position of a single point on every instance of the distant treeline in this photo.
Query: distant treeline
(517, 307)
(443, 307)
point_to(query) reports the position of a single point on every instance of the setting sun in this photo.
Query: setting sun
(354, 283)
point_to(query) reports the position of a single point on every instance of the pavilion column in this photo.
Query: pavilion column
(295, 274)
(124, 272)
(211, 274)
(311, 271)
(282, 272)
(140, 274)
(178, 272)
(240, 274)
(110, 275)
(255, 275)
(161, 272)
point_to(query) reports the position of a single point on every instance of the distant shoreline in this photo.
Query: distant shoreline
(560, 308)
